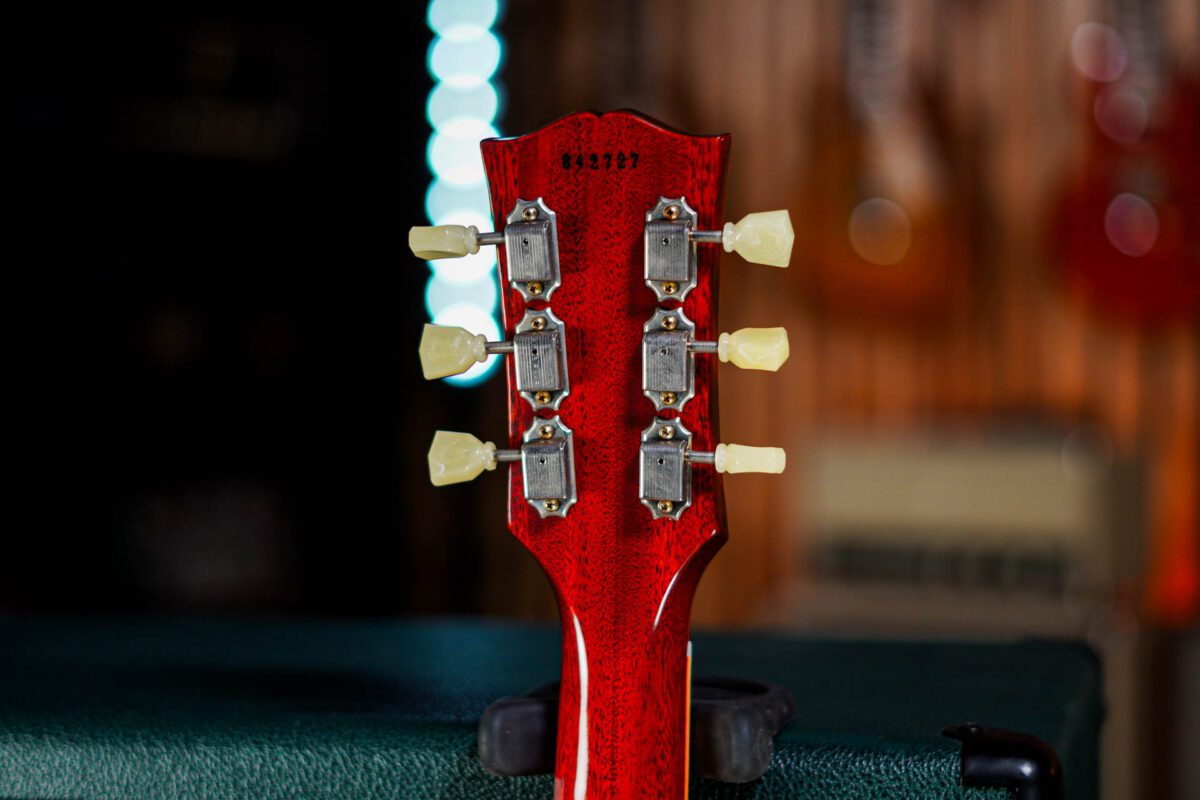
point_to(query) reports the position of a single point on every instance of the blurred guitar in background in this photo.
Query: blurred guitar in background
(1127, 236)
(1129, 221)
(882, 239)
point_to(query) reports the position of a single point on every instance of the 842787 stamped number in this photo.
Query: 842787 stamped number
(598, 161)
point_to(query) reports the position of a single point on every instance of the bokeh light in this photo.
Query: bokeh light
(454, 151)
(1131, 224)
(466, 60)
(1099, 52)
(1122, 113)
(439, 294)
(445, 15)
(448, 104)
(880, 231)
(462, 107)
(445, 200)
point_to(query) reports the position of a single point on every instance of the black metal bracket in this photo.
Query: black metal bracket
(993, 757)
(734, 723)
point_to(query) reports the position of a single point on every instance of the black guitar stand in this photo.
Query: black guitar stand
(994, 757)
(733, 725)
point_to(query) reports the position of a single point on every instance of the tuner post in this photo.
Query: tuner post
(530, 240)
(667, 457)
(669, 348)
(672, 233)
(538, 348)
(546, 455)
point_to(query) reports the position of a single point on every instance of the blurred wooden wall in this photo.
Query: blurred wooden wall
(1011, 341)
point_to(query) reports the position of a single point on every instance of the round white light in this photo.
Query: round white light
(454, 151)
(446, 14)
(468, 269)
(439, 295)
(482, 222)
(445, 200)
(465, 61)
(448, 103)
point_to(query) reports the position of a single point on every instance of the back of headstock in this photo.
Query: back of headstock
(608, 263)
(602, 174)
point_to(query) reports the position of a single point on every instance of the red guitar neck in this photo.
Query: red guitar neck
(624, 580)
(622, 722)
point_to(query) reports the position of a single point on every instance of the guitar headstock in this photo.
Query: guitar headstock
(608, 259)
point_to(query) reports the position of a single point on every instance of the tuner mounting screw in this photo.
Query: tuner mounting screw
(550, 505)
(534, 287)
(541, 397)
(665, 506)
(670, 287)
(666, 432)
(529, 214)
(671, 212)
(667, 398)
(669, 323)
(538, 323)
(545, 431)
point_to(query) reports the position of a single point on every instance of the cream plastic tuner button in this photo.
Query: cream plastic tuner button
(754, 348)
(762, 238)
(460, 457)
(733, 458)
(529, 237)
(443, 241)
(446, 350)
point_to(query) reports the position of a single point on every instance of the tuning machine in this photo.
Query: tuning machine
(538, 347)
(669, 347)
(665, 475)
(547, 457)
(530, 239)
(671, 236)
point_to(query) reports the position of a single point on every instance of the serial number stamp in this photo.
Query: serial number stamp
(598, 161)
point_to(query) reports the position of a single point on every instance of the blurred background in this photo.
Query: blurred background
(994, 309)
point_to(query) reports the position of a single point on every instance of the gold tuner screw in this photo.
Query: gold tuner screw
(665, 506)
(541, 397)
(667, 398)
(666, 432)
(529, 214)
(670, 323)
(550, 505)
(534, 287)
(545, 431)
(670, 287)
(671, 212)
(538, 323)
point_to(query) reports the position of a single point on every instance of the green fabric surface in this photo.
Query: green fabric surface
(167, 708)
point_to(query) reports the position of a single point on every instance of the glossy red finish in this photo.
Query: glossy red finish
(624, 582)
